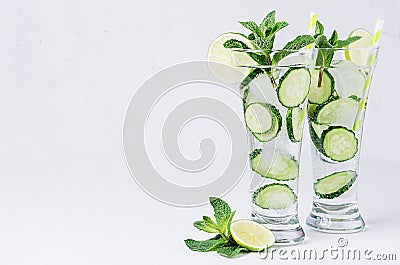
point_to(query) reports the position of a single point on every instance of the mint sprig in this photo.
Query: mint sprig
(222, 243)
(262, 37)
(327, 47)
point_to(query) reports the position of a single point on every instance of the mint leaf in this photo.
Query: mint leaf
(251, 37)
(206, 225)
(237, 44)
(252, 75)
(252, 26)
(296, 44)
(232, 251)
(209, 222)
(205, 245)
(319, 29)
(221, 209)
(226, 223)
(334, 38)
(264, 44)
(346, 42)
(268, 24)
(325, 54)
(278, 26)
(355, 98)
(269, 20)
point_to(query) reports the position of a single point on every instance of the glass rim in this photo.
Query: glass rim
(350, 49)
(307, 50)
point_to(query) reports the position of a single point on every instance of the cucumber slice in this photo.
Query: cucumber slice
(278, 166)
(319, 128)
(250, 77)
(258, 118)
(315, 134)
(319, 95)
(334, 185)
(339, 143)
(341, 112)
(315, 138)
(274, 196)
(293, 87)
(312, 110)
(276, 126)
(294, 123)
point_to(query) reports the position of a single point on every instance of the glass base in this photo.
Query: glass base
(286, 229)
(336, 219)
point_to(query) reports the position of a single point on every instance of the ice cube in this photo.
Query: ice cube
(349, 78)
(261, 90)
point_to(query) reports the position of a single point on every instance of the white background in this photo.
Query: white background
(67, 72)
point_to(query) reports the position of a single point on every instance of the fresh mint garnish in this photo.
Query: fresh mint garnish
(327, 47)
(232, 251)
(333, 40)
(223, 243)
(346, 42)
(236, 44)
(325, 54)
(262, 37)
(205, 245)
(296, 44)
(221, 210)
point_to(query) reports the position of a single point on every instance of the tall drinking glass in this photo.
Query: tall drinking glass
(274, 104)
(336, 109)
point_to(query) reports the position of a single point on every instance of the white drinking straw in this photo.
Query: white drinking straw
(371, 59)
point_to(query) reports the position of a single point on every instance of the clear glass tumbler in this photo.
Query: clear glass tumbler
(336, 109)
(274, 105)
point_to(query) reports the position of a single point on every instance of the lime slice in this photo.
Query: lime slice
(359, 57)
(252, 235)
(229, 71)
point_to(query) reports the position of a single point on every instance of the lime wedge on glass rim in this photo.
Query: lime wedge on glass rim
(252, 235)
(359, 57)
(229, 71)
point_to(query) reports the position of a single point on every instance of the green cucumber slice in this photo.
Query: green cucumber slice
(274, 196)
(250, 77)
(294, 123)
(311, 109)
(334, 185)
(319, 95)
(319, 128)
(258, 118)
(341, 112)
(278, 166)
(315, 138)
(339, 143)
(276, 126)
(293, 87)
(315, 134)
